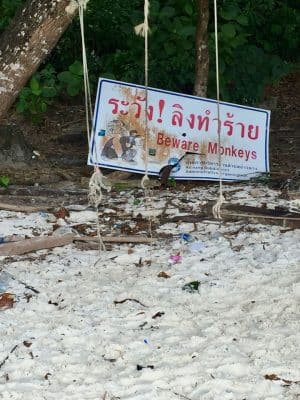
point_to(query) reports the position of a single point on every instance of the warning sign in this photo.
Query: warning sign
(178, 127)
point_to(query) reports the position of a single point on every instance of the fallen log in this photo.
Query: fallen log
(49, 242)
(34, 244)
(236, 212)
(22, 208)
(115, 239)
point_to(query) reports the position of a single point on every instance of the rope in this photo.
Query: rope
(87, 90)
(143, 30)
(216, 210)
(97, 181)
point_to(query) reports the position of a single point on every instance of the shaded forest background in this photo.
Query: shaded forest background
(258, 45)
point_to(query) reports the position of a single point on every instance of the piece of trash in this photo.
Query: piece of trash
(191, 287)
(216, 235)
(186, 237)
(63, 230)
(140, 367)
(2, 287)
(36, 153)
(197, 246)
(146, 341)
(163, 274)
(137, 202)
(158, 314)
(11, 238)
(5, 279)
(175, 259)
(6, 301)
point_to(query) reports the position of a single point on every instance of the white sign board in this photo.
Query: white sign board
(177, 125)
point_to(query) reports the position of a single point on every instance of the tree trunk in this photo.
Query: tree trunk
(31, 36)
(202, 55)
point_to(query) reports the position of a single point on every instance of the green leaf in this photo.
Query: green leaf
(36, 92)
(73, 90)
(49, 91)
(170, 48)
(231, 12)
(21, 106)
(76, 68)
(32, 108)
(187, 31)
(228, 30)
(167, 12)
(65, 77)
(188, 45)
(239, 40)
(4, 181)
(34, 85)
(188, 8)
(43, 107)
(276, 29)
(242, 20)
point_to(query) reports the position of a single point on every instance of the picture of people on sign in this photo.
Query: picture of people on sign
(120, 142)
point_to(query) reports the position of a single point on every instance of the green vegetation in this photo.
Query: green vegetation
(258, 45)
(4, 181)
(41, 91)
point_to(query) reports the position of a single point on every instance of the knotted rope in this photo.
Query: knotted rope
(216, 210)
(143, 30)
(97, 180)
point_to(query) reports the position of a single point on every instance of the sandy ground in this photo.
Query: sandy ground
(209, 311)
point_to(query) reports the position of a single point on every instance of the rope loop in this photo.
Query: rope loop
(97, 182)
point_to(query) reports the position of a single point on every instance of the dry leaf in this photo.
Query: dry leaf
(62, 213)
(6, 301)
(163, 274)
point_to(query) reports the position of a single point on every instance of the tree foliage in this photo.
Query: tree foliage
(258, 44)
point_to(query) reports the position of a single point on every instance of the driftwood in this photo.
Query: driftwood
(22, 208)
(34, 244)
(92, 243)
(235, 212)
(48, 242)
(115, 239)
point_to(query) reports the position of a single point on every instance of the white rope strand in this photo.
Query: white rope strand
(216, 210)
(87, 90)
(143, 30)
(97, 181)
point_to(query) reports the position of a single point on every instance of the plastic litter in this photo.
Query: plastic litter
(186, 237)
(192, 287)
(216, 235)
(64, 230)
(140, 367)
(175, 259)
(197, 246)
(11, 238)
(5, 279)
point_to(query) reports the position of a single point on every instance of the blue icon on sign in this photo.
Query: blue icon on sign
(174, 161)
(101, 132)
